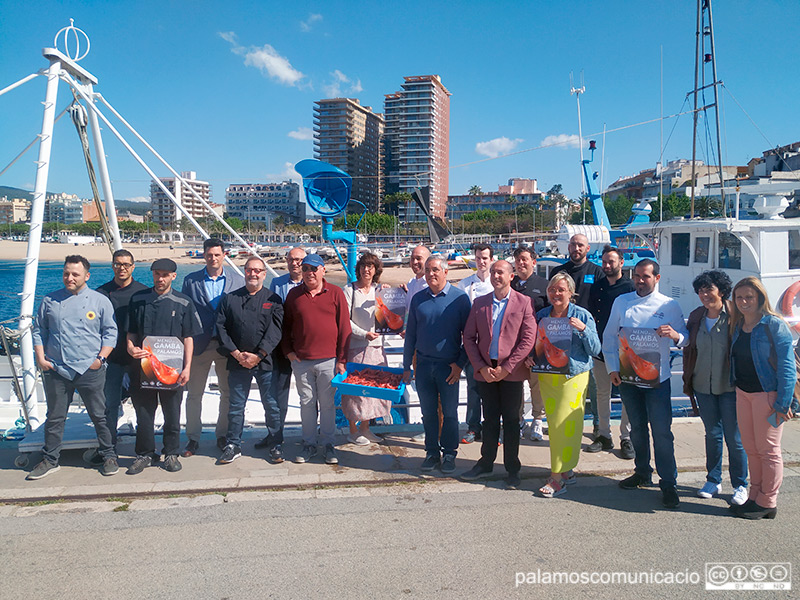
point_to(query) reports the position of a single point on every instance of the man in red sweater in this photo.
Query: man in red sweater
(316, 335)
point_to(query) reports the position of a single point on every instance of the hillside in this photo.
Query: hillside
(137, 208)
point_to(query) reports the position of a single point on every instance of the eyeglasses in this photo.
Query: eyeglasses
(309, 268)
(256, 271)
(296, 260)
(119, 265)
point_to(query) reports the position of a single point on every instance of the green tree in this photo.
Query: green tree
(475, 190)
(392, 202)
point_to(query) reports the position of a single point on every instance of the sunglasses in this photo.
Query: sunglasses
(119, 265)
(309, 268)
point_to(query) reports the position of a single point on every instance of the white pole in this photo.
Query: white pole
(105, 180)
(34, 244)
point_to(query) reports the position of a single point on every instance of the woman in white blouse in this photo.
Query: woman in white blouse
(366, 347)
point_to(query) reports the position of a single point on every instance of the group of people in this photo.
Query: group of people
(738, 362)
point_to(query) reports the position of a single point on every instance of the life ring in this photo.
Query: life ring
(787, 304)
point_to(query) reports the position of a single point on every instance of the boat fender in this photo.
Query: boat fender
(787, 305)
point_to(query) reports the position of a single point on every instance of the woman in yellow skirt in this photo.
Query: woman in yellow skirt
(565, 395)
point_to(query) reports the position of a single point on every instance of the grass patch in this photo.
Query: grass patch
(121, 508)
(45, 502)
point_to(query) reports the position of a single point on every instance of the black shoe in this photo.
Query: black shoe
(601, 442)
(43, 469)
(93, 458)
(448, 464)
(626, 450)
(430, 463)
(513, 481)
(276, 454)
(669, 498)
(229, 454)
(754, 512)
(191, 449)
(635, 481)
(306, 454)
(139, 465)
(330, 455)
(172, 464)
(736, 509)
(110, 467)
(221, 443)
(476, 472)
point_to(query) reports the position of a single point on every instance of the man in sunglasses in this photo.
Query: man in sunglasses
(119, 290)
(316, 336)
(249, 328)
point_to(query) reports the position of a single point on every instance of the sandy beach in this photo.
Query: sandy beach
(146, 253)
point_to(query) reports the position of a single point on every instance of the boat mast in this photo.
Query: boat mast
(578, 92)
(705, 34)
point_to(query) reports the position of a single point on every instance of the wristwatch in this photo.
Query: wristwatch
(102, 359)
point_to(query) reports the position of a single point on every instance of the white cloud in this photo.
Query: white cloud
(302, 133)
(138, 199)
(287, 173)
(306, 25)
(266, 59)
(341, 85)
(497, 146)
(565, 140)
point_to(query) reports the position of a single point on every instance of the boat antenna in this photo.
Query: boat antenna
(704, 48)
(578, 91)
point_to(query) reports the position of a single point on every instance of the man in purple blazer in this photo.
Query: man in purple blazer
(499, 335)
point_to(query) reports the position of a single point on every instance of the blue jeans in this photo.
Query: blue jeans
(718, 412)
(653, 407)
(115, 388)
(239, 385)
(473, 401)
(279, 391)
(58, 392)
(432, 385)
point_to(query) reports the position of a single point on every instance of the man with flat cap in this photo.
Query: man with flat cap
(160, 311)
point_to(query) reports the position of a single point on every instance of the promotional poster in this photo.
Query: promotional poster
(390, 310)
(553, 343)
(639, 356)
(162, 367)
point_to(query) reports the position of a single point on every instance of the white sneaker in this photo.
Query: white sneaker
(709, 489)
(537, 433)
(358, 440)
(739, 496)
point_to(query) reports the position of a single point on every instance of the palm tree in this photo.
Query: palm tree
(475, 190)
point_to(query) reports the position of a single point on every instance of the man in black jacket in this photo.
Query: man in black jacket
(583, 272)
(249, 326)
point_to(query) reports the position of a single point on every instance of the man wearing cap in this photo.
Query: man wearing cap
(282, 366)
(73, 334)
(316, 337)
(205, 288)
(161, 311)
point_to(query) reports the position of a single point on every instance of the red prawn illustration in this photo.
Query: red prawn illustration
(394, 320)
(155, 368)
(554, 355)
(643, 368)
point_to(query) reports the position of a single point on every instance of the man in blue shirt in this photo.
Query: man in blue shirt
(73, 334)
(206, 288)
(434, 331)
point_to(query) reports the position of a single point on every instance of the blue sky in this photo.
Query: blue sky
(227, 88)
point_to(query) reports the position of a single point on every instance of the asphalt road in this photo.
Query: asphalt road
(431, 541)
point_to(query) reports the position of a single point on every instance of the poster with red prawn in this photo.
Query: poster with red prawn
(553, 344)
(640, 356)
(164, 363)
(390, 310)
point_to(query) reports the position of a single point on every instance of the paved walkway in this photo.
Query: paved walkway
(394, 461)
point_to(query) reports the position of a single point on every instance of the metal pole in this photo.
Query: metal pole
(105, 180)
(716, 110)
(35, 242)
(697, 51)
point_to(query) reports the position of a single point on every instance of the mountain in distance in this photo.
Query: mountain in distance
(136, 208)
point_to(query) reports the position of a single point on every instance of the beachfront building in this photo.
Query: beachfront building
(675, 176)
(63, 208)
(416, 146)
(165, 213)
(518, 192)
(15, 210)
(348, 135)
(264, 202)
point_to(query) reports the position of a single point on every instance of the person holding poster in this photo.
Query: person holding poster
(367, 313)
(160, 311)
(563, 385)
(641, 328)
